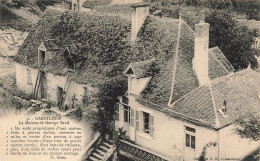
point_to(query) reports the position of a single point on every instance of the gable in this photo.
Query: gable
(42, 47)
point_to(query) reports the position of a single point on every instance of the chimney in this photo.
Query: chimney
(201, 46)
(141, 11)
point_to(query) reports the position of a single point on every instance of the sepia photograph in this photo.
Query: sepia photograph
(129, 80)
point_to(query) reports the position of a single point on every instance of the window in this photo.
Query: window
(117, 112)
(29, 77)
(190, 137)
(126, 114)
(148, 123)
(85, 97)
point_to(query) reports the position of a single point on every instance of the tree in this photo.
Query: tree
(249, 126)
(233, 39)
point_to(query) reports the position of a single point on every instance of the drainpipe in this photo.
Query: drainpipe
(218, 144)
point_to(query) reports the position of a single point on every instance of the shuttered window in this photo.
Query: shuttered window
(126, 114)
(148, 123)
(132, 114)
(137, 121)
(151, 125)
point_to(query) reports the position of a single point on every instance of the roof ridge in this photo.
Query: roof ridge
(219, 61)
(175, 61)
(186, 95)
(152, 59)
(232, 75)
(214, 105)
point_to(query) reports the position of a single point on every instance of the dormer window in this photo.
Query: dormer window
(68, 57)
(223, 109)
(42, 55)
(139, 75)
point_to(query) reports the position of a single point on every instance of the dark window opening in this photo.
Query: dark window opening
(85, 99)
(190, 129)
(126, 114)
(59, 95)
(146, 122)
(187, 140)
(125, 100)
(70, 62)
(130, 71)
(42, 54)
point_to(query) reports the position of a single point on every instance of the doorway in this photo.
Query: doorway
(59, 96)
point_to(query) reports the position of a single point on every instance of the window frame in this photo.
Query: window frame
(191, 132)
(128, 113)
(146, 130)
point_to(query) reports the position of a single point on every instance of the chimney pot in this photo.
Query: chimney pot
(202, 16)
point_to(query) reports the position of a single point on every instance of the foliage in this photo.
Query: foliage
(17, 3)
(107, 97)
(44, 3)
(249, 126)
(234, 40)
(254, 156)
(248, 7)
(204, 151)
(11, 20)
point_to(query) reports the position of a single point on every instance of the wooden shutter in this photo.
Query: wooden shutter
(117, 111)
(151, 125)
(141, 121)
(132, 117)
(137, 121)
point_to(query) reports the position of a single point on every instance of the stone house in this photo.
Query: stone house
(182, 95)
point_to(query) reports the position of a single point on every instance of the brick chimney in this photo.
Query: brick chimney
(141, 11)
(201, 47)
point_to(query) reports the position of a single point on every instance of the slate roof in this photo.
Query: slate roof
(240, 89)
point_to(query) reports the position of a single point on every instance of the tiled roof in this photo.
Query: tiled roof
(92, 3)
(197, 104)
(218, 64)
(240, 90)
(158, 89)
(120, 9)
(51, 44)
